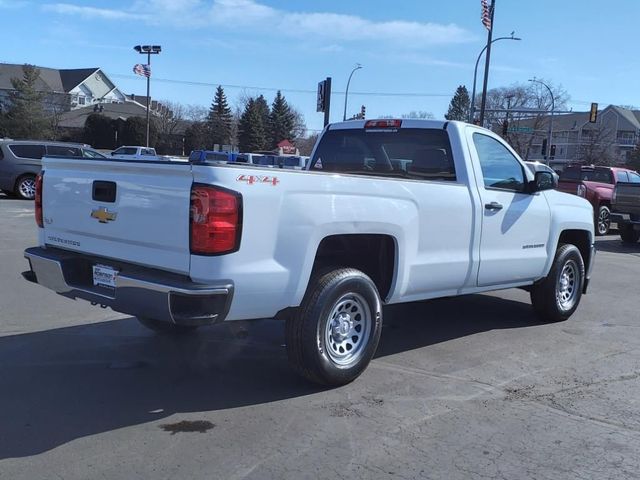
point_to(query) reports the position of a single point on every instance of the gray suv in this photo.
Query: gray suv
(20, 162)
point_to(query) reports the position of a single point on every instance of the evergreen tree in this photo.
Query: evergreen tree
(281, 121)
(459, 105)
(99, 131)
(219, 120)
(252, 136)
(25, 116)
(195, 137)
(265, 112)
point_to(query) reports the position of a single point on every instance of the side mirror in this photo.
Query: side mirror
(542, 181)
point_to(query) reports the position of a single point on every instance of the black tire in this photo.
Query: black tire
(26, 187)
(165, 328)
(629, 235)
(350, 301)
(603, 220)
(548, 296)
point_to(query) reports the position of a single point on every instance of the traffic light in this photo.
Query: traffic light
(593, 114)
(544, 146)
(363, 111)
(505, 128)
(552, 151)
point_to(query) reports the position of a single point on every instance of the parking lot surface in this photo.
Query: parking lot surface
(464, 388)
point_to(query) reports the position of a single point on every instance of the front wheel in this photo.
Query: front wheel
(603, 220)
(336, 330)
(557, 296)
(26, 187)
(629, 235)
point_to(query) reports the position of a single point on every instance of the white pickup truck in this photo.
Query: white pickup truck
(387, 211)
(135, 153)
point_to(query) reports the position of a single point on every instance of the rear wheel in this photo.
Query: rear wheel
(556, 297)
(629, 235)
(603, 220)
(165, 328)
(336, 330)
(26, 187)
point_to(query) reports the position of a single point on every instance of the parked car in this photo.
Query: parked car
(204, 156)
(324, 249)
(127, 152)
(20, 162)
(596, 185)
(625, 208)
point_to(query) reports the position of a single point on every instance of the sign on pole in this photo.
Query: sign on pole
(593, 114)
(321, 95)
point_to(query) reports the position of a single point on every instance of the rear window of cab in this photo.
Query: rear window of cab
(411, 153)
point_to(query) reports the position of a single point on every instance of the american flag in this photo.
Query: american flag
(142, 69)
(486, 14)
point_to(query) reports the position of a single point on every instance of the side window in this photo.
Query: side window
(63, 151)
(1, 154)
(634, 177)
(500, 169)
(571, 174)
(622, 176)
(28, 150)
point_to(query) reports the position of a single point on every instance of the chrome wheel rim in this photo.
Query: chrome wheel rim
(347, 329)
(603, 221)
(567, 285)
(27, 188)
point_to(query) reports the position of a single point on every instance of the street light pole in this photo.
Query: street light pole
(346, 94)
(487, 62)
(148, 50)
(475, 73)
(553, 108)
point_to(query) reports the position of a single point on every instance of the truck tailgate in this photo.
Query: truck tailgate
(627, 198)
(131, 211)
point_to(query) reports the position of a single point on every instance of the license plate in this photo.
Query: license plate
(104, 276)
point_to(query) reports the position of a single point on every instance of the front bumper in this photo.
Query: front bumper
(625, 219)
(139, 291)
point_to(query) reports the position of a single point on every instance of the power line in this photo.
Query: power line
(287, 90)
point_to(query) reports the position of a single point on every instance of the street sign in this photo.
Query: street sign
(593, 113)
(321, 96)
(520, 130)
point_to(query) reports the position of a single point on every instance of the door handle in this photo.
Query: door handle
(493, 206)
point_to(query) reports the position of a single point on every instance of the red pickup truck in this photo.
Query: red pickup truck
(596, 184)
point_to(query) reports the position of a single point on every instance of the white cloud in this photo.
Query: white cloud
(234, 14)
(93, 12)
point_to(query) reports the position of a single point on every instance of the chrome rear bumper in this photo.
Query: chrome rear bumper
(139, 291)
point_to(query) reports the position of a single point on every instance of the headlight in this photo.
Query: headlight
(582, 191)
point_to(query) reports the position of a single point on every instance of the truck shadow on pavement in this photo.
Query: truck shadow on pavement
(68, 383)
(615, 245)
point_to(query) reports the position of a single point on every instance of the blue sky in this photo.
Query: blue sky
(406, 46)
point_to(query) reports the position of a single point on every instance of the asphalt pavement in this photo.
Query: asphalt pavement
(465, 388)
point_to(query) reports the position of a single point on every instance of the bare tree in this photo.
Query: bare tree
(420, 114)
(171, 115)
(195, 113)
(523, 97)
(597, 145)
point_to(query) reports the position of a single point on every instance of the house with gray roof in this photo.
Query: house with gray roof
(615, 134)
(66, 89)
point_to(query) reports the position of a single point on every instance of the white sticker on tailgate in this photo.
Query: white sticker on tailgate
(104, 275)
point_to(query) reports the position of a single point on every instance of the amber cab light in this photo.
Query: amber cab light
(38, 200)
(215, 220)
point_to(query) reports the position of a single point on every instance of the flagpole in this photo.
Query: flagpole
(486, 65)
(148, 93)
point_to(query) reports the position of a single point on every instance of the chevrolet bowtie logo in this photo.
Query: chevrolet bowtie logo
(103, 215)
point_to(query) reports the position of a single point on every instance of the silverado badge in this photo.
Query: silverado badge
(103, 215)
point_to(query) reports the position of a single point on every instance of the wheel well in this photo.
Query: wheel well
(20, 177)
(579, 238)
(373, 254)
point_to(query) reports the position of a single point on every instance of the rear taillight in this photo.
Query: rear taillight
(38, 200)
(216, 220)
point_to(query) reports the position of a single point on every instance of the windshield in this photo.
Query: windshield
(410, 153)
